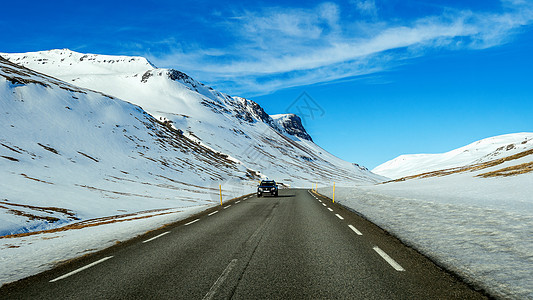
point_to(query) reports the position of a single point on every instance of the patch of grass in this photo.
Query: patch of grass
(10, 148)
(9, 158)
(48, 148)
(47, 209)
(85, 224)
(35, 179)
(509, 171)
(29, 216)
(89, 157)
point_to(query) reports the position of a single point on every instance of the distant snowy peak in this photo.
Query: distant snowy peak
(478, 152)
(68, 62)
(19, 76)
(291, 124)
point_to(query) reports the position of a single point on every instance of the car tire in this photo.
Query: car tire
(276, 194)
(259, 195)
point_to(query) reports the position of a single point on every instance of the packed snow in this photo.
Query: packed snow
(480, 228)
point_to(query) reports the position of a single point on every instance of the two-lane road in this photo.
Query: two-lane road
(295, 246)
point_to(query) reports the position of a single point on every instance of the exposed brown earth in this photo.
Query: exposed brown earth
(510, 171)
(90, 223)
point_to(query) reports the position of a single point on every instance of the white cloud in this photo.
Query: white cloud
(277, 48)
(366, 7)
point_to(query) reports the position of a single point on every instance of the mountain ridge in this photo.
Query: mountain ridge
(235, 126)
(477, 152)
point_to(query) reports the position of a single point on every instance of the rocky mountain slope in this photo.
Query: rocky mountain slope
(277, 148)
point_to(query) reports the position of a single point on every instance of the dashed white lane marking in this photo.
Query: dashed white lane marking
(387, 258)
(213, 213)
(192, 222)
(330, 209)
(236, 202)
(155, 237)
(324, 204)
(220, 280)
(355, 230)
(320, 201)
(339, 216)
(81, 269)
(227, 206)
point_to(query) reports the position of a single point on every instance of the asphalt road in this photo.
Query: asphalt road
(294, 246)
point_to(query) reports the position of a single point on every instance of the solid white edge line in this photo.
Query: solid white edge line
(155, 237)
(81, 269)
(220, 280)
(387, 258)
(227, 206)
(330, 209)
(339, 216)
(213, 213)
(192, 222)
(355, 230)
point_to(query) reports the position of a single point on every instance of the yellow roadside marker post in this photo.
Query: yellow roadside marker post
(220, 189)
(333, 192)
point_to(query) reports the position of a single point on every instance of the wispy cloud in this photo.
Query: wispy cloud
(276, 48)
(366, 7)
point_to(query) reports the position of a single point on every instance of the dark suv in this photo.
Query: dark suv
(267, 187)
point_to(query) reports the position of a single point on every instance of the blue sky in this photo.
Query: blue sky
(390, 77)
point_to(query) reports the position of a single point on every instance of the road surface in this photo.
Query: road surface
(295, 246)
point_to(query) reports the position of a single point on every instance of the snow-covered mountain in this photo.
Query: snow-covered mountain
(280, 149)
(68, 154)
(66, 62)
(71, 149)
(482, 151)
